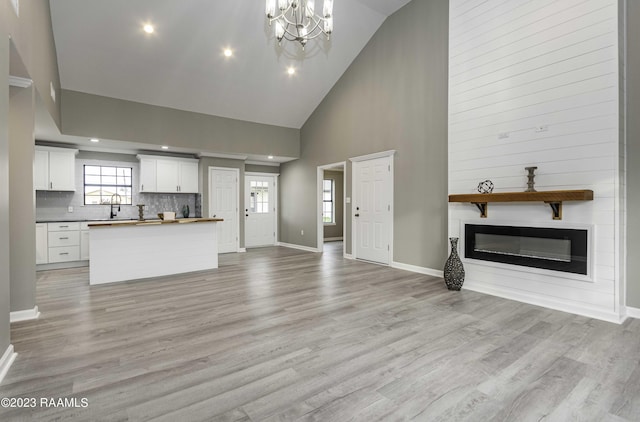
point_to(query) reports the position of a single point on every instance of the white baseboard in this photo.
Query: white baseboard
(6, 361)
(348, 256)
(417, 269)
(26, 315)
(300, 247)
(332, 239)
(546, 303)
(633, 312)
(240, 250)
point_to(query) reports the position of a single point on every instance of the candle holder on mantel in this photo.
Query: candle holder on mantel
(140, 212)
(530, 177)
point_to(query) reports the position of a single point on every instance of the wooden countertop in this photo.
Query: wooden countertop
(152, 222)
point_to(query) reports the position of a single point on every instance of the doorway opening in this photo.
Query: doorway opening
(331, 214)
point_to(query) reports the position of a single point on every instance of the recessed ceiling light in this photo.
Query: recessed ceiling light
(164, 147)
(148, 28)
(270, 157)
(291, 71)
(94, 140)
(228, 52)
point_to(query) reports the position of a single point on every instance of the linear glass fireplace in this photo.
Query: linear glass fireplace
(552, 249)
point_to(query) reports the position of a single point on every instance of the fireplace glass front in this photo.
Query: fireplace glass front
(547, 248)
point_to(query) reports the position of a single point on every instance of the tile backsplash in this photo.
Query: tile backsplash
(52, 206)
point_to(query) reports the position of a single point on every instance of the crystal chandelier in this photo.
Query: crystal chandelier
(297, 21)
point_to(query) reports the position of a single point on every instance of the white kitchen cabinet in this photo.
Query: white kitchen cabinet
(188, 177)
(42, 245)
(63, 242)
(54, 169)
(148, 171)
(41, 170)
(168, 175)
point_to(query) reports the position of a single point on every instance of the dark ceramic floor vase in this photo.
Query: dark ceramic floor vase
(453, 268)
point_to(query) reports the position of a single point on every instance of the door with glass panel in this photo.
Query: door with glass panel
(260, 210)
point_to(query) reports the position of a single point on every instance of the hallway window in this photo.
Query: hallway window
(328, 201)
(102, 182)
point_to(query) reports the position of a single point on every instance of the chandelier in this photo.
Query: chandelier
(297, 21)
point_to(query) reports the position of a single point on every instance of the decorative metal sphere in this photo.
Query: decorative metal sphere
(485, 187)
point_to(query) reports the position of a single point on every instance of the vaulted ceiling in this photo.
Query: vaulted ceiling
(103, 50)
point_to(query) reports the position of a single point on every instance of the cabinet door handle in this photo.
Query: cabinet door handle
(50, 185)
(64, 253)
(64, 227)
(142, 187)
(64, 238)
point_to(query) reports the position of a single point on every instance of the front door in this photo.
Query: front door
(259, 210)
(372, 209)
(223, 191)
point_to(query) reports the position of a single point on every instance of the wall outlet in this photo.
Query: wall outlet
(503, 135)
(70, 209)
(301, 232)
(347, 200)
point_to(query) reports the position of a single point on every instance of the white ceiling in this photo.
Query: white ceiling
(102, 50)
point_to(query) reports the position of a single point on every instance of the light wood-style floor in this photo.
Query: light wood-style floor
(280, 334)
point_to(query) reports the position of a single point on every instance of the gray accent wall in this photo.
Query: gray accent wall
(393, 96)
(633, 154)
(5, 282)
(22, 237)
(91, 115)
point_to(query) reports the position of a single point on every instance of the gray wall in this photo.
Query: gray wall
(4, 184)
(256, 168)
(90, 115)
(205, 163)
(336, 230)
(633, 154)
(393, 96)
(22, 236)
(32, 38)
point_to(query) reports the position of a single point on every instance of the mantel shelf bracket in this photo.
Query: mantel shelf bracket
(556, 209)
(482, 206)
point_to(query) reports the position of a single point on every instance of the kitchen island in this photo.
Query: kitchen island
(132, 250)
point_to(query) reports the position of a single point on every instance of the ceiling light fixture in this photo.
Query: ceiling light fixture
(148, 28)
(164, 147)
(228, 52)
(94, 140)
(270, 157)
(291, 71)
(297, 20)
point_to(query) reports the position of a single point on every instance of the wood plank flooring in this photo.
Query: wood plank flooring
(278, 334)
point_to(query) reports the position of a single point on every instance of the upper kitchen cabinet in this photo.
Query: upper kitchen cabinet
(168, 175)
(54, 169)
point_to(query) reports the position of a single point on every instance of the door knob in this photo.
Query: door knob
(246, 215)
(214, 216)
(357, 215)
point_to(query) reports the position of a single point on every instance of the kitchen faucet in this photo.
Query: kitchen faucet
(113, 204)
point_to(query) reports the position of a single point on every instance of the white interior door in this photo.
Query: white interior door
(223, 191)
(260, 210)
(372, 209)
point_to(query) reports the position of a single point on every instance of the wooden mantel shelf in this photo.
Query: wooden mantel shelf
(554, 198)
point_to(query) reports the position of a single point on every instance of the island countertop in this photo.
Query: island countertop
(127, 223)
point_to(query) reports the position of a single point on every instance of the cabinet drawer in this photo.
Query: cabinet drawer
(57, 239)
(56, 227)
(64, 254)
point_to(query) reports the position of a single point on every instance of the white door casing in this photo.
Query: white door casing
(223, 203)
(372, 209)
(260, 210)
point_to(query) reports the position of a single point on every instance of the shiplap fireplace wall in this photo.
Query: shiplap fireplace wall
(536, 83)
